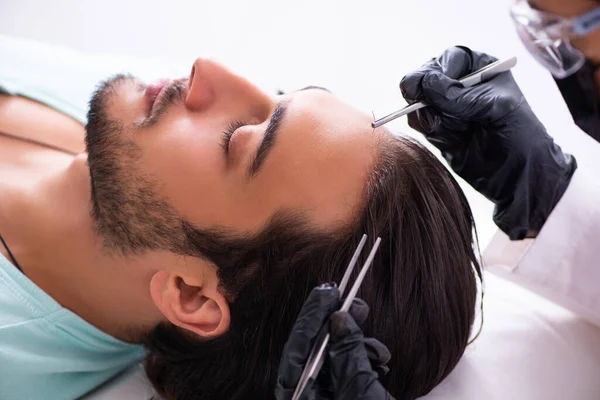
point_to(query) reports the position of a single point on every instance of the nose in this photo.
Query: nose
(211, 83)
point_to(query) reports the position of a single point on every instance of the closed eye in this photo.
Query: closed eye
(228, 133)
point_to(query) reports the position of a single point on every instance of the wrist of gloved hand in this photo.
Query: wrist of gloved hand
(530, 182)
(539, 185)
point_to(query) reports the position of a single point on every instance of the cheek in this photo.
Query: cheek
(185, 157)
(127, 104)
(563, 8)
(182, 146)
(590, 46)
(187, 162)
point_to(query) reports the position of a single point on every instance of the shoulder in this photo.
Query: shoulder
(32, 121)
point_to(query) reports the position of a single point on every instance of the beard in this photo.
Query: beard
(100, 127)
(128, 215)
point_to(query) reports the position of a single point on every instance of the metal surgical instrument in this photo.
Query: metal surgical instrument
(316, 357)
(484, 74)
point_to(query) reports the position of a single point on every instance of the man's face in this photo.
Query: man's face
(222, 153)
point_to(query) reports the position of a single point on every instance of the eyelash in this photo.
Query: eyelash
(227, 133)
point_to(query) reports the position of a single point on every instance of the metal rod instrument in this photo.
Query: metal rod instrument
(316, 357)
(484, 74)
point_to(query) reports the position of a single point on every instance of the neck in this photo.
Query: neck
(54, 241)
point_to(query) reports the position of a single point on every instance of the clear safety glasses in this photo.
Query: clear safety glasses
(548, 37)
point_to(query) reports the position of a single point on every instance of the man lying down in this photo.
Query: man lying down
(196, 222)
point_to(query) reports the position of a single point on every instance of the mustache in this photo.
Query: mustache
(173, 94)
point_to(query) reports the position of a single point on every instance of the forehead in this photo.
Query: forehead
(333, 117)
(328, 149)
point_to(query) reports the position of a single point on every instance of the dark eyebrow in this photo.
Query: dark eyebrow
(314, 87)
(280, 92)
(268, 139)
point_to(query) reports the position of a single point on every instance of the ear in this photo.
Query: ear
(191, 303)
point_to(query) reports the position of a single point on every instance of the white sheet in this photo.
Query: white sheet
(130, 385)
(529, 349)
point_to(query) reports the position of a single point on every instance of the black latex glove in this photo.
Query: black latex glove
(353, 361)
(491, 138)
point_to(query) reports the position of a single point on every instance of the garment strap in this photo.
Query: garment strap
(10, 254)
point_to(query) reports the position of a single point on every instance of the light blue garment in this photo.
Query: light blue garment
(65, 79)
(55, 76)
(46, 351)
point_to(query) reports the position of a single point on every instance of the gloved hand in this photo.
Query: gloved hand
(491, 138)
(353, 362)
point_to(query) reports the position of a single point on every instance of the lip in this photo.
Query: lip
(153, 92)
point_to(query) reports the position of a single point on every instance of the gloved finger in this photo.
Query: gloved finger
(450, 97)
(425, 120)
(479, 60)
(453, 124)
(350, 367)
(459, 61)
(456, 62)
(359, 310)
(342, 324)
(410, 86)
(379, 355)
(445, 142)
(435, 88)
(444, 131)
(321, 302)
(451, 135)
(377, 352)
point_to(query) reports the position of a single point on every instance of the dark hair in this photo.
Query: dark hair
(422, 286)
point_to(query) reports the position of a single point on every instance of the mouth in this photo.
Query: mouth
(155, 91)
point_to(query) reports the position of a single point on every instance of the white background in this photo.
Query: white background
(359, 50)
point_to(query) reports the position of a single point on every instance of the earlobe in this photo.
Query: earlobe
(196, 306)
